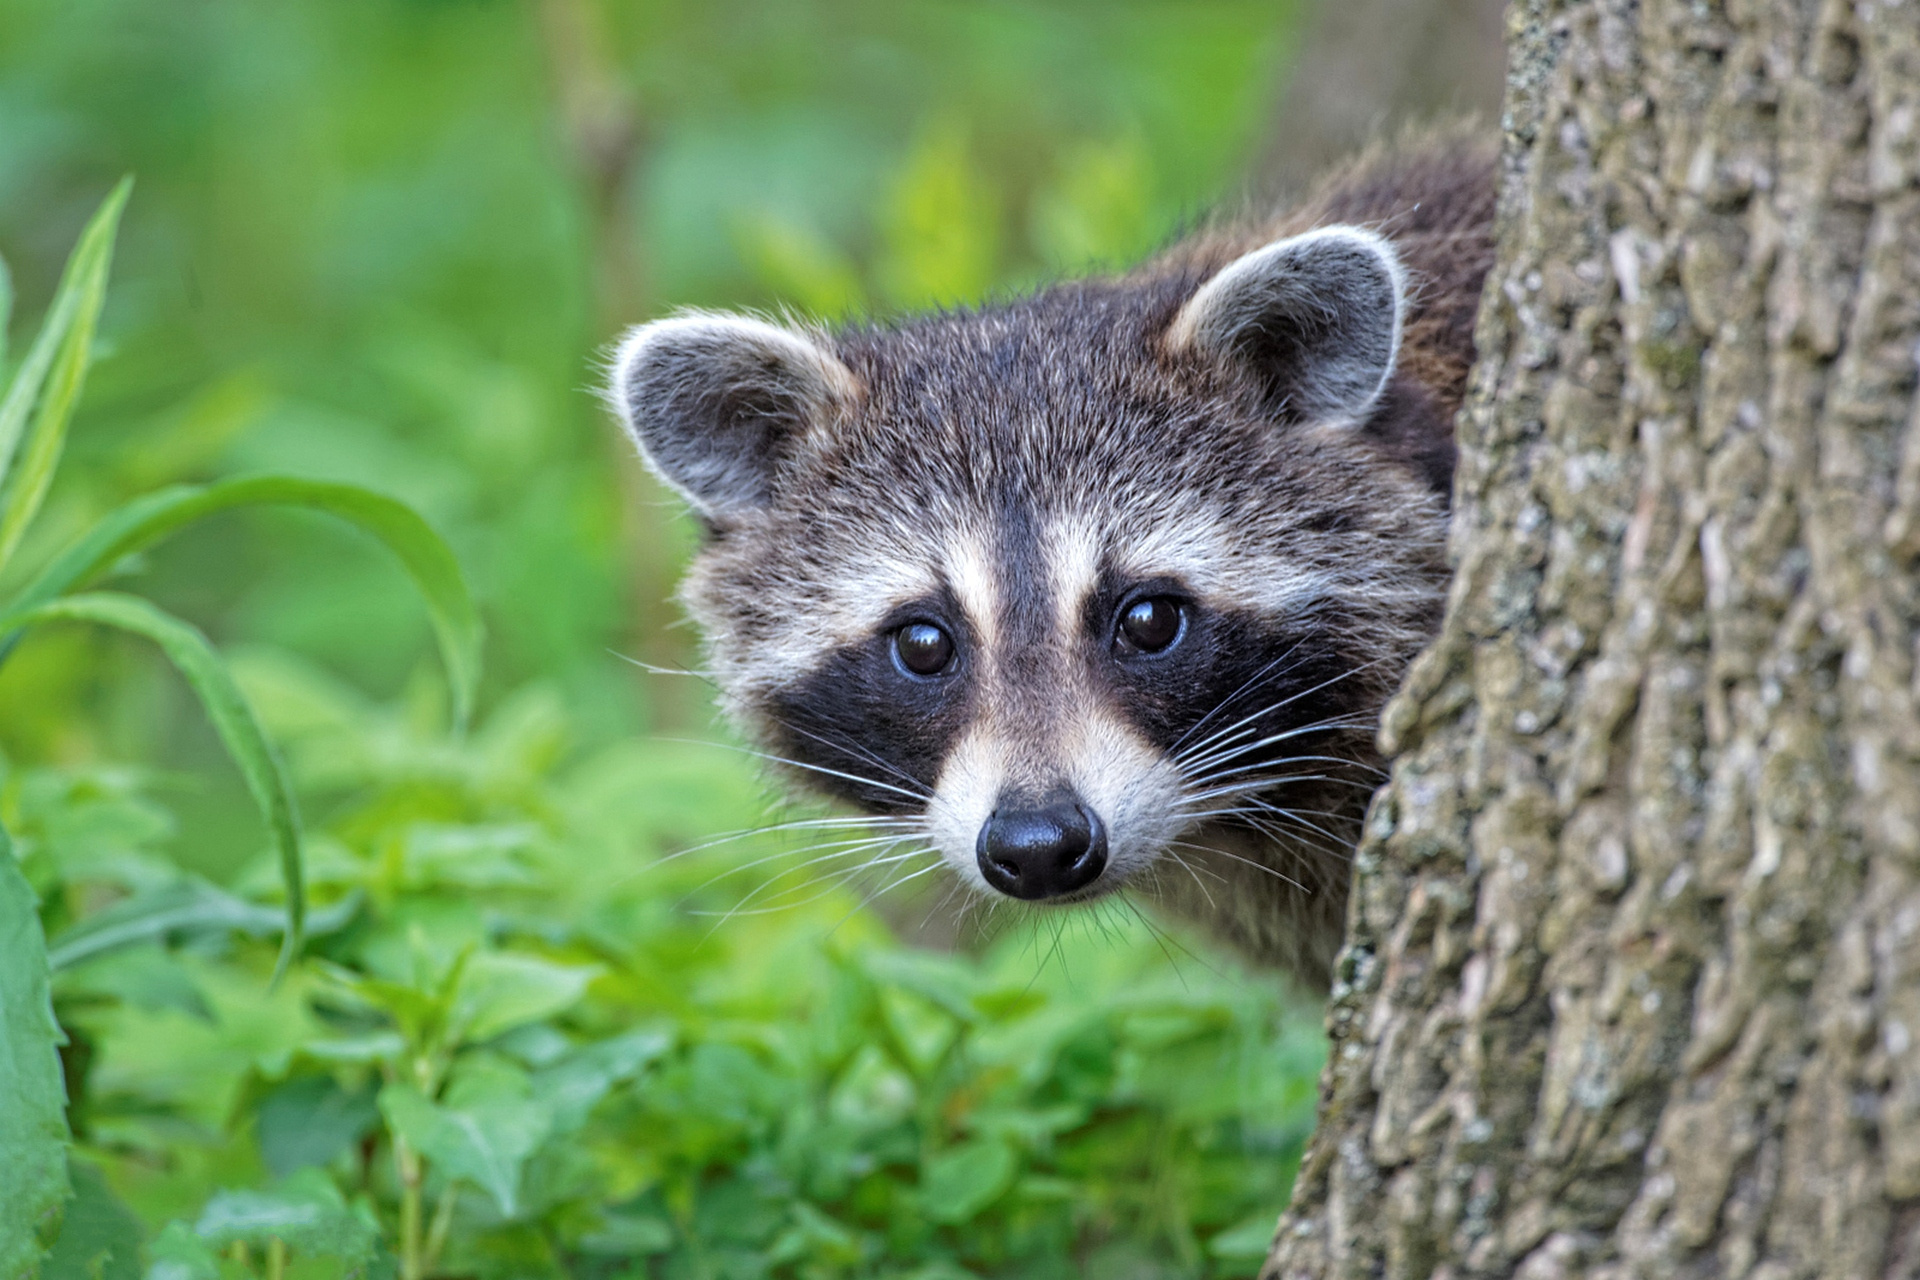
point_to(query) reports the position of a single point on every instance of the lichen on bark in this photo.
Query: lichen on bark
(1632, 984)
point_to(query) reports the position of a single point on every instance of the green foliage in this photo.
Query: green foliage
(40, 399)
(33, 1098)
(554, 1014)
(526, 1047)
(145, 521)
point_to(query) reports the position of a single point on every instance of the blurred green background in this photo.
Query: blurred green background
(388, 242)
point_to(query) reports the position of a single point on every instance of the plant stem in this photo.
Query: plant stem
(276, 1259)
(412, 1262)
(442, 1224)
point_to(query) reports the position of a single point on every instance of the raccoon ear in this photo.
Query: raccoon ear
(712, 398)
(1316, 316)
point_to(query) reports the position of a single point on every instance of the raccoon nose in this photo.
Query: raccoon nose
(1042, 853)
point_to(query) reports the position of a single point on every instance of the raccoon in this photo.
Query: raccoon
(1104, 587)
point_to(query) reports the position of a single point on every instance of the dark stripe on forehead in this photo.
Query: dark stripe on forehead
(1026, 622)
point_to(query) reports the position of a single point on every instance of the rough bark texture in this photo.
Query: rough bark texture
(1633, 978)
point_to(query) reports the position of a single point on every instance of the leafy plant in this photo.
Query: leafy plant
(34, 414)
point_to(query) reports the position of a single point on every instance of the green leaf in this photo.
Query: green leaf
(500, 991)
(422, 553)
(33, 1094)
(99, 1237)
(52, 374)
(574, 1085)
(482, 1135)
(179, 1254)
(305, 1212)
(962, 1180)
(189, 904)
(226, 706)
(310, 1119)
(628, 1235)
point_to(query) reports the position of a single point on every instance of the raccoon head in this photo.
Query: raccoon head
(1087, 585)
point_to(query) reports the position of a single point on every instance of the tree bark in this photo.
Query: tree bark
(1632, 984)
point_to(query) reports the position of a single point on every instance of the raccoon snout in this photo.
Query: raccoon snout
(1046, 852)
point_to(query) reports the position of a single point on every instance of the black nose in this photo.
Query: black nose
(1042, 853)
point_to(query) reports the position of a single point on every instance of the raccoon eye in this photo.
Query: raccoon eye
(1150, 625)
(923, 649)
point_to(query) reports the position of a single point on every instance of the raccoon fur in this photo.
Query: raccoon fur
(1102, 587)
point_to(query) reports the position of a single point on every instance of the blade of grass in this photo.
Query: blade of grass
(33, 1093)
(52, 374)
(422, 553)
(226, 706)
(6, 310)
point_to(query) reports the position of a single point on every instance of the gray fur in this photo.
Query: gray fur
(712, 400)
(1259, 417)
(1317, 315)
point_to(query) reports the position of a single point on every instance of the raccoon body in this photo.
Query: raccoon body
(1102, 587)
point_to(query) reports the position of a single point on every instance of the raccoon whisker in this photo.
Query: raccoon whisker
(940, 907)
(1291, 826)
(1161, 938)
(937, 863)
(854, 749)
(732, 837)
(828, 885)
(773, 908)
(1295, 697)
(828, 881)
(1059, 936)
(706, 677)
(1225, 754)
(1200, 884)
(1257, 808)
(1264, 821)
(1220, 775)
(1292, 834)
(1250, 724)
(1260, 784)
(1235, 857)
(1295, 818)
(1245, 724)
(902, 828)
(1224, 703)
(1224, 750)
(1207, 777)
(919, 797)
(1190, 869)
(840, 849)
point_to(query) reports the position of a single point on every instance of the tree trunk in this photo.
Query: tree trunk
(1632, 986)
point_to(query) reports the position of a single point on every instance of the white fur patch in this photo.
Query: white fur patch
(1073, 551)
(1112, 770)
(1201, 551)
(1132, 786)
(970, 572)
(963, 800)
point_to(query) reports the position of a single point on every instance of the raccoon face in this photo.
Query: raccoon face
(1075, 583)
